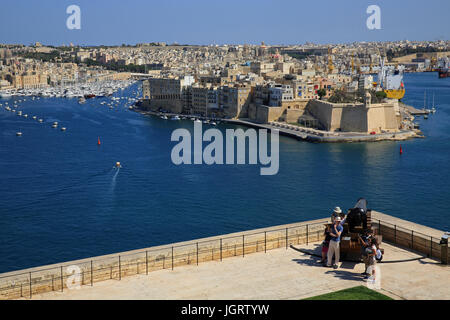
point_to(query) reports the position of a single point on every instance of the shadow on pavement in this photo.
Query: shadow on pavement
(345, 275)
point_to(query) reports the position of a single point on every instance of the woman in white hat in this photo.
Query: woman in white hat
(336, 213)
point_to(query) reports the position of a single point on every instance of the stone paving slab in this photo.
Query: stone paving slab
(277, 274)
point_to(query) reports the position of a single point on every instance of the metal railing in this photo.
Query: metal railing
(24, 285)
(408, 238)
(194, 252)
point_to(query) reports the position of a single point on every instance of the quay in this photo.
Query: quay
(415, 111)
(267, 263)
(314, 135)
(309, 134)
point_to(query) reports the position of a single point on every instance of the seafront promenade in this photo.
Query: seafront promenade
(269, 263)
(314, 135)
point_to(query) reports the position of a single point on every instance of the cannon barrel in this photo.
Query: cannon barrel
(357, 216)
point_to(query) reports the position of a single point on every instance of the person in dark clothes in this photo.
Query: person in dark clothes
(325, 244)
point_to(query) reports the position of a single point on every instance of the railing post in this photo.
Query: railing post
(92, 274)
(146, 262)
(379, 226)
(120, 270)
(172, 257)
(307, 234)
(197, 253)
(265, 241)
(31, 290)
(431, 247)
(412, 239)
(62, 284)
(220, 249)
(243, 245)
(395, 234)
(286, 238)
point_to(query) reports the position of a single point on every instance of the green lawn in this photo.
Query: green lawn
(355, 293)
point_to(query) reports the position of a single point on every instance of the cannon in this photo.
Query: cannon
(357, 216)
(358, 224)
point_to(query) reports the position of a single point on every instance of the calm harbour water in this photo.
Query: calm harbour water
(61, 199)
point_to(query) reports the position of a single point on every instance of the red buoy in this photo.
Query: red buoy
(98, 141)
(401, 150)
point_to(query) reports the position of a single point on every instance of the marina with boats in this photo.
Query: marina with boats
(80, 90)
(12, 101)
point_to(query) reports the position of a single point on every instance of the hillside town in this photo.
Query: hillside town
(353, 87)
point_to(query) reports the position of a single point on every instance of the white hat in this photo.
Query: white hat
(337, 210)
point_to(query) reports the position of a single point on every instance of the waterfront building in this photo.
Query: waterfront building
(234, 100)
(167, 93)
(204, 100)
(30, 81)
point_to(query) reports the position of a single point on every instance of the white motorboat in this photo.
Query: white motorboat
(433, 109)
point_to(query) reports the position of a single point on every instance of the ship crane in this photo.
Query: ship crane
(330, 62)
(358, 68)
(353, 63)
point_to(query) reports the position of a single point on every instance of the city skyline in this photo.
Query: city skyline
(201, 22)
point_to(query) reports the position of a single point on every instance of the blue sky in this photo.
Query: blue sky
(210, 21)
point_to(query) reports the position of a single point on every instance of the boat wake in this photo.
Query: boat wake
(113, 182)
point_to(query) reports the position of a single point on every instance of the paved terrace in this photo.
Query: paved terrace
(277, 274)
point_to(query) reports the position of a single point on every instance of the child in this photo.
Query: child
(371, 259)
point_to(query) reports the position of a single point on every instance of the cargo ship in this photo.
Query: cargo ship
(444, 70)
(390, 81)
